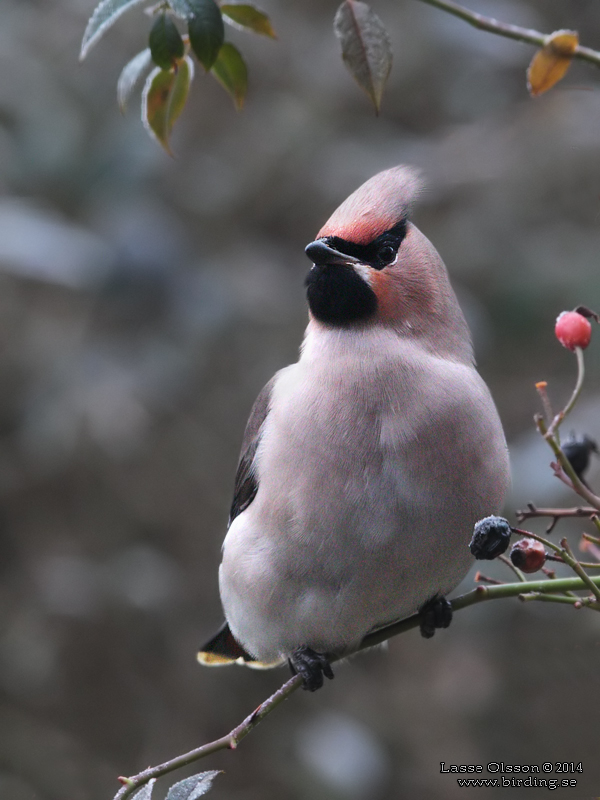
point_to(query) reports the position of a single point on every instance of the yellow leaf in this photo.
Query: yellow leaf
(550, 64)
(164, 98)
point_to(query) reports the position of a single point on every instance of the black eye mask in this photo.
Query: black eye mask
(378, 253)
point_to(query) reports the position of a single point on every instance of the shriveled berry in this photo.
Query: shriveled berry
(573, 330)
(528, 555)
(491, 537)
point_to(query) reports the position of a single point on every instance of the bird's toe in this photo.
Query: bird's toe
(311, 666)
(436, 613)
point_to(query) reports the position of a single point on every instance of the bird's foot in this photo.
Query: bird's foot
(435, 613)
(311, 666)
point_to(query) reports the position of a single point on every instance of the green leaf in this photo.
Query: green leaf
(230, 70)
(166, 44)
(248, 18)
(164, 98)
(192, 788)
(207, 31)
(130, 75)
(107, 12)
(366, 47)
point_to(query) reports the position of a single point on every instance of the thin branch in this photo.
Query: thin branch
(568, 556)
(558, 419)
(512, 567)
(577, 602)
(515, 32)
(541, 387)
(232, 739)
(481, 578)
(566, 465)
(555, 513)
(228, 742)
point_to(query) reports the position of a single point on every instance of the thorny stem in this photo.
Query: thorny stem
(515, 32)
(232, 739)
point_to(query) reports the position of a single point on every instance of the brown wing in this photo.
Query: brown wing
(246, 482)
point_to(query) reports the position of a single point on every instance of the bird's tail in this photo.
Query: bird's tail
(223, 649)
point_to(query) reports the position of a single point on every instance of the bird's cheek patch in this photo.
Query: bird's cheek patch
(388, 293)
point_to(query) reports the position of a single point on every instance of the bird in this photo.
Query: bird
(366, 463)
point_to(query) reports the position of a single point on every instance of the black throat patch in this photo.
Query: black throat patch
(338, 296)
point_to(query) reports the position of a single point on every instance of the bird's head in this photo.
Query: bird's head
(372, 266)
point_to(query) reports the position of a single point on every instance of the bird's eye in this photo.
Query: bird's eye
(387, 254)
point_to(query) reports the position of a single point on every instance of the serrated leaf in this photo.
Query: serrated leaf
(166, 44)
(230, 70)
(145, 793)
(550, 64)
(130, 75)
(366, 47)
(248, 18)
(192, 788)
(164, 98)
(106, 13)
(207, 31)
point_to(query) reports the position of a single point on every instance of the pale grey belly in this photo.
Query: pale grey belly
(322, 571)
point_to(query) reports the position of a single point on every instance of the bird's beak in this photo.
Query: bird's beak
(321, 254)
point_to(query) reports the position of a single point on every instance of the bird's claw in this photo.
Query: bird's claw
(311, 666)
(435, 613)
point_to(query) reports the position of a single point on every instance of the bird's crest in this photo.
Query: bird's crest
(375, 207)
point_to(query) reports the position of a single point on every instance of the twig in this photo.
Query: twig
(231, 740)
(228, 742)
(511, 566)
(541, 387)
(566, 465)
(568, 556)
(515, 32)
(586, 564)
(558, 419)
(481, 578)
(556, 513)
(578, 602)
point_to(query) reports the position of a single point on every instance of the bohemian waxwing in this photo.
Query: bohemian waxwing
(365, 465)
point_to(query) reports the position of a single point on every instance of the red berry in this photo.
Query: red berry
(573, 330)
(528, 555)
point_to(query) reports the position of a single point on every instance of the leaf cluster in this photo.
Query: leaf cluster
(365, 45)
(167, 85)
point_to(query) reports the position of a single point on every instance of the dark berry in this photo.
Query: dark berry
(578, 450)
(528, 555)
(491, 537)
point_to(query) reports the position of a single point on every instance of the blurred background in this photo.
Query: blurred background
(145, 300)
